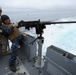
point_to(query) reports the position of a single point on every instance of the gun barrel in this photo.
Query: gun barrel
(61, 22)
(28, 24)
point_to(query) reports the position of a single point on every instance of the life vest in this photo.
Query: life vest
(15, 33)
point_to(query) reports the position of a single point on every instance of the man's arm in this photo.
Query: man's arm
(6, 30)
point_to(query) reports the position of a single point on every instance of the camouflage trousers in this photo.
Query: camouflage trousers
(4, 43)
(15, 48)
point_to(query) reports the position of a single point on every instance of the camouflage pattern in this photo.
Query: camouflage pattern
(15, 48)
(15, 37)
(16, 33)
(3, 42)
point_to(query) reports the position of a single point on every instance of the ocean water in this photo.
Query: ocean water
(60, 35)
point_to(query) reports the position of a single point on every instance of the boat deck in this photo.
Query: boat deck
(24, 66)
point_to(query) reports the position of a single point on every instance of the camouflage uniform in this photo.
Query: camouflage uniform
(4, 43)
(3, 40)
(15, 37)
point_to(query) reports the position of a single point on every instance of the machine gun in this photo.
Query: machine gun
(39, 26)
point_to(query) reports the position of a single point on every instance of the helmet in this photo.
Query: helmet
(4, 17)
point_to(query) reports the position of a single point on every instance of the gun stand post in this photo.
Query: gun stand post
(39, 62)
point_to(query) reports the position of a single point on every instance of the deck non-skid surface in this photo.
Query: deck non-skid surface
(23, 66)
(4, 67)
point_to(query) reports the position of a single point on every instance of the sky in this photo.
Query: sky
(38, 4)
(55, 8)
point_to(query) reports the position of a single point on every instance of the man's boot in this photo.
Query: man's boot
(12, 67)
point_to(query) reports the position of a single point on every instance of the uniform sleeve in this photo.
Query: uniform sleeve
(6, 30)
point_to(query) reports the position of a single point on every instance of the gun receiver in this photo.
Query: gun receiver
(40, 25)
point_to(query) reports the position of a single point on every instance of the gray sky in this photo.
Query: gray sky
(57, 8)
(39, 4)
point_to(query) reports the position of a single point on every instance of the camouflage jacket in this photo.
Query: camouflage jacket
(15, 33)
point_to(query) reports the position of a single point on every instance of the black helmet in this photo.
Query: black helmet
(4, 17)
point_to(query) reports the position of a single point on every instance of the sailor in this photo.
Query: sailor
(3, 40)
(15, 37)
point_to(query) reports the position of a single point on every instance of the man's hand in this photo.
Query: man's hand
(0, 31)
